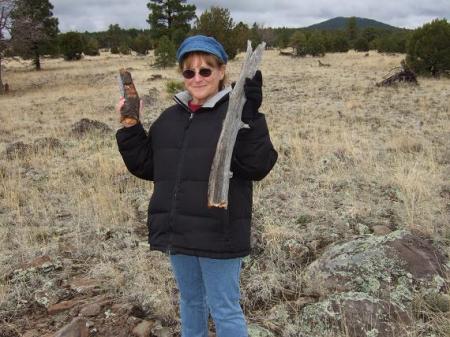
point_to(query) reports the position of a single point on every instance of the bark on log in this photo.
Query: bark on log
(220, 175)
(130, 109)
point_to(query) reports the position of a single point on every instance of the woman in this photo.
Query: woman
(205, 245)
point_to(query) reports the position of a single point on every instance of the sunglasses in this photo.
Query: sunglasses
(203, 72)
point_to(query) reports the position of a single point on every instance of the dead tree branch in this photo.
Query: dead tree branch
(401, 75)
(219, 178)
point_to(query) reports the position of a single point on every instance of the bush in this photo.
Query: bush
(428, 50)
(91, 47)
(298, 42)
(315, 45)
(339, 44)
(141, 44)
(173, 87)
(115, 50)
(361, 44)
(165, 54)
(71, 45)
(124, 49)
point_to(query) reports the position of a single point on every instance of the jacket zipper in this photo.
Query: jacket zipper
(177, 181)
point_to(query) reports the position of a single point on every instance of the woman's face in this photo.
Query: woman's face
(202, 88)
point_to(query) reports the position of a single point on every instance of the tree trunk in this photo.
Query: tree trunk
(2, 87)
(219, 177)
(37, 61)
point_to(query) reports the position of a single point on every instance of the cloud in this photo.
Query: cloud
(98, 15)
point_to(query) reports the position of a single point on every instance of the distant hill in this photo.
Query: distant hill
(341, 23)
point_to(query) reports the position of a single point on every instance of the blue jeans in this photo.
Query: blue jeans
(209, 286)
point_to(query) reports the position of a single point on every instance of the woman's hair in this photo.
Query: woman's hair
(210, 59)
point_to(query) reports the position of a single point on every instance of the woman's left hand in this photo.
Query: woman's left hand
(253, 93)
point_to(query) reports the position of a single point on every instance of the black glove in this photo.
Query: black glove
(253, 93)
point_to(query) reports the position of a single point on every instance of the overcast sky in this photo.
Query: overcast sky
(97, 15)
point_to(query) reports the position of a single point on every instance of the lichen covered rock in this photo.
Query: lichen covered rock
(367, 285)
(377, 265)
(356, 314)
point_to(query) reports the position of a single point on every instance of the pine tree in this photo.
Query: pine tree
(6, 6)
(170, 18)
(91, 47)
(298, 41)
(361, 44)
(217, 22)
(71, 45)
(256, 34)
(339, 42)
(33, 28)
(429, 48)
(315, 45)
(352, 29)
(241, 34)
(141, 44)
(165, 54)
(115, 35)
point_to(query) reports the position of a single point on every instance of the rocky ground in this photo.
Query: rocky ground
(350, 232)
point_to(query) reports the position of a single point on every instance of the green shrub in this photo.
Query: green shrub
(428, 50)
(141, 44)
(115, 50)
(315, 45)
(298, 42)
(91, 47)
(71, 45)
(165, 54)
(124, 49)
(173, 87)
(361, 44)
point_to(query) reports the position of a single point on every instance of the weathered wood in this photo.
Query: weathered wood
(220, 174)
(323, 64)
(130, 110)
(402, 75)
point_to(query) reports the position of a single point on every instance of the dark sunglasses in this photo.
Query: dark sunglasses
(203, 72)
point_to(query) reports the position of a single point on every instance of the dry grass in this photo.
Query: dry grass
(350, 154)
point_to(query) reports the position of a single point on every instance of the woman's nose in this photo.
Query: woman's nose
(198, 77)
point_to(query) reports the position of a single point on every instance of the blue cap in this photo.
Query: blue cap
(202, 43)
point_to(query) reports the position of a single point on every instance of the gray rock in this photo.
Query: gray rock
(76, 328)
(143, 329)
(90, 310)
(357, 314)
(367, 285)
(386, 266)
(381, 230)
(255, 330)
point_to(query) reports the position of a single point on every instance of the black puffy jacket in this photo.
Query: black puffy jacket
(177, 155)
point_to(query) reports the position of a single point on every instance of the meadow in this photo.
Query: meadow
(353, 158)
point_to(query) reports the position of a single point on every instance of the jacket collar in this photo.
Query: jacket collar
(184, 97)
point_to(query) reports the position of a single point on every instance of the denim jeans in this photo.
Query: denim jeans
(209, 286)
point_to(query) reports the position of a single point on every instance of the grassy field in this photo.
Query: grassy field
(352, 156)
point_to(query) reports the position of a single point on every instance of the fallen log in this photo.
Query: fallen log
(402, 75)
(286, 53)
(323, 64)
(220, 174)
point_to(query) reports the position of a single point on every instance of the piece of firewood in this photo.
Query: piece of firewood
(220, 175)
(130, 110)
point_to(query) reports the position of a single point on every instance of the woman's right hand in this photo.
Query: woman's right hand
(126, 122)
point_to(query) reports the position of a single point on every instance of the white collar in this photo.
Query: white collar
(184, 97)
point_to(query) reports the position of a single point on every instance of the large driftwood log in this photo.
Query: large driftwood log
(219, 178)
